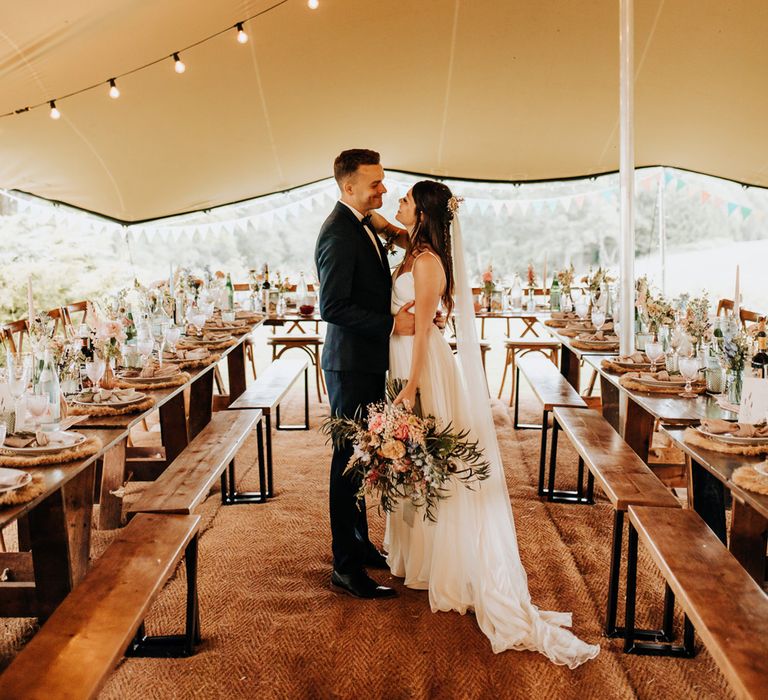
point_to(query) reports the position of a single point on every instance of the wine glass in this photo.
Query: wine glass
(598, 318)
(654, 351)
(689, 368)
(144, 345)
(196, 318)
(18, 377)
(37, 405)
(172, 335)
(95, 369)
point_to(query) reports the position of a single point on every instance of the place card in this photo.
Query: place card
(754, 400)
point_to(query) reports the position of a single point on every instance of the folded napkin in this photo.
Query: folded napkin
(563, 314)
(717, 426)
(214, 323)
(153, 370)
(11, 478)
(662, 376)
(636, 358)
(182, 354)
(19, 440)
(108, 396)
(56, 438)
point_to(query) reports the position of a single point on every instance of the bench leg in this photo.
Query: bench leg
(174, 645)
(230, 495)
(515, 424)
(554, 496)
(662, 645)
(278, 426)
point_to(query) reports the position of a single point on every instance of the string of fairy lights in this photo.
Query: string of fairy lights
(241, 36)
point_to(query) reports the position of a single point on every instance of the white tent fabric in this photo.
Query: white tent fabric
(481, 89)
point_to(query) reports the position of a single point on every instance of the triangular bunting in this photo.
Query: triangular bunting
(745, 212)
(732, 207)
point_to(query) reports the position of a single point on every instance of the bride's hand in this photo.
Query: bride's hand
(378, 222)
(407, 396)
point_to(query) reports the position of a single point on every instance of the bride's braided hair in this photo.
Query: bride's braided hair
(433, 229)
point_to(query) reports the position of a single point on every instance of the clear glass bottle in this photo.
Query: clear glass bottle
(516, 294)
(48, 385)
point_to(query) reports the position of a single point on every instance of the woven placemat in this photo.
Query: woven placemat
(610, 365)
(90, 447)
(694, 437)
(175, 380)
(697, 387)
(197, 364)
(589, 345)
(25, 494)
(556, 322)
(750, 479)
(138, 407)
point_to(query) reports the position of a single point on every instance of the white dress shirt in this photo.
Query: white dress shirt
(370, 233)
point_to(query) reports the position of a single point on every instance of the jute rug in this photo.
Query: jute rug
(273, 629)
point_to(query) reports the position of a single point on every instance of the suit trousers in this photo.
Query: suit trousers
(347, 392)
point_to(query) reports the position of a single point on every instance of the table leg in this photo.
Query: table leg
(638, 429)
(748, 539)
(200, 404)
(609, 393)
(236, 371)
(78, 506)
(569, 366)
(708, 499)
(112, 478)
(173, 425)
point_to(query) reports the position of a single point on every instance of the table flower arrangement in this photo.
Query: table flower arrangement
(565, 279)
(696, 321)
(401, 455)
(736, 351)
(108, 338)
(489, 286)
(531, 276)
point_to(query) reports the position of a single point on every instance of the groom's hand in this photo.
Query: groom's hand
(405, 322)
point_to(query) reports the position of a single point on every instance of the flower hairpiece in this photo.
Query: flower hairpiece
(453, 204)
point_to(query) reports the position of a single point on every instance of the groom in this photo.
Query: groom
(355, 291)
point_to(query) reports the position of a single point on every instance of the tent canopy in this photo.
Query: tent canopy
(477, 89)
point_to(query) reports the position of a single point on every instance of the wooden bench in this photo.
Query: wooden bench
(720, 599)
(519, 347)
(551, 389)
(310, 344)
(74, 652)
(266, 394)
(187, 480)
(625, 480)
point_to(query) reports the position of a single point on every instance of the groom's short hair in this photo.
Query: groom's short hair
(347, 162)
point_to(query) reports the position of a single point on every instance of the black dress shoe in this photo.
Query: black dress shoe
(360, 585)
(374, 559)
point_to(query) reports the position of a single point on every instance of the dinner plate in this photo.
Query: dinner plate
(201, 342)
(113, 404)
(224, 329)
(47, 449)
(633, 365)
(658, 382)
(599, 342)
(731, 440)
(762, 468)
(26, 479)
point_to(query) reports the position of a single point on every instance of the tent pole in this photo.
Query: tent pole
(627, 177)
(662, 234)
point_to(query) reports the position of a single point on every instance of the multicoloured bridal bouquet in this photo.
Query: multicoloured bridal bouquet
(403, 455)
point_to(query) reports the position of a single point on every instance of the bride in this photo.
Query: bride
(468, 559)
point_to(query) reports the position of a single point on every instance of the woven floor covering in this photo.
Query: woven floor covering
(273, 629)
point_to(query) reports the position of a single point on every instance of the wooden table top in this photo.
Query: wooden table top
(56, 475)
(722, 466)
(519, 313)
(668, 408)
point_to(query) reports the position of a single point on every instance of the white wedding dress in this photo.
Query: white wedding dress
(468, 559)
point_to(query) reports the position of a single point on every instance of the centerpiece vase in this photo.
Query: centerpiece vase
(108, 381)
(735, 385)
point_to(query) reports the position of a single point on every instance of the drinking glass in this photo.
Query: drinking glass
(581, 308)
(196, 318)
(18, 378)
(689, 368)
(144, 345)
(598, 318)
(654, 351)
(172, 335)
(37, 405)
(94, 369)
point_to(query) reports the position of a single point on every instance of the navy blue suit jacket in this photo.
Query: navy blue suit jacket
(355, 291)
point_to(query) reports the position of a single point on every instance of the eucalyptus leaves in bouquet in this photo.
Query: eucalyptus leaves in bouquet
(736, 351)
(696, 321)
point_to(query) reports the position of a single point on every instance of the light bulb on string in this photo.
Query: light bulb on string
(55, 114)
(242, 37)
(114, 91)
(313, 4)
(179, 64)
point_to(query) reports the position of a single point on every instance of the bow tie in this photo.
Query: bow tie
(366, 221)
